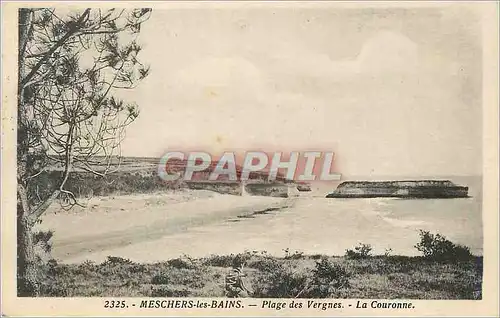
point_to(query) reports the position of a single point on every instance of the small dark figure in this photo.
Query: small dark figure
(234, 284)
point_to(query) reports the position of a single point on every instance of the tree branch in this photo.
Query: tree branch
(36, 213)
(57, 45)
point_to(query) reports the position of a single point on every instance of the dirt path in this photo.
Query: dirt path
(110, 223)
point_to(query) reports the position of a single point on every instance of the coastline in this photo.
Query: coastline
(111, 223)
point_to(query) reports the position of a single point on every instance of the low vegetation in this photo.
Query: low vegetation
(438, 248)
(135, 180)
(443, 271)
(360, 251)
(87, 184)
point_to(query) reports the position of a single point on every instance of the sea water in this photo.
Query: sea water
(312, 224)
(318, 225)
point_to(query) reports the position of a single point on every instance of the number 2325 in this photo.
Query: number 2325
(115, 304)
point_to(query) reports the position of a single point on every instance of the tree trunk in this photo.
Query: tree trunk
(27, 280)
(27, 267)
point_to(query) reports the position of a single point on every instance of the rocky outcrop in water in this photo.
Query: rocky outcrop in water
(274, 189)
(400, 189)
(302, 186)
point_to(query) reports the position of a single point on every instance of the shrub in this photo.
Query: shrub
(160, 279)
(87, 268)
(438, 248)
(43, 237)
(87, 264)
(181, 263)
(360, 251)
(327, 279)
(50, 268)
(228, 260)
(113, 260)
(115, 267)
(281, 281)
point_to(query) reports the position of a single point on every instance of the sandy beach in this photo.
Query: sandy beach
(161, 226)
(108, 223)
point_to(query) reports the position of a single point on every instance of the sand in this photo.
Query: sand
(110, 223)
(161, 226)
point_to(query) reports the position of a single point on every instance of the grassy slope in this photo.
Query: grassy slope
(374, 277)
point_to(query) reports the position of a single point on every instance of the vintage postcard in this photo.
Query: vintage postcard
(249, 158)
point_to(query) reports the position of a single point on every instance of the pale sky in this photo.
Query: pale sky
(391, 91)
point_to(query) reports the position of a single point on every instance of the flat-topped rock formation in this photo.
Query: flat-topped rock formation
(400, 189)
(302, 186)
